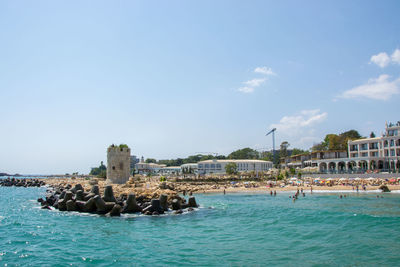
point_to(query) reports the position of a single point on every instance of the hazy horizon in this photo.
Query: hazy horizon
(171, 79)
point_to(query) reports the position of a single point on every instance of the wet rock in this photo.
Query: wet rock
(71, 205)
(80, 205)
(190, 209)
(115, 211)
(155, 213)
(176, 204)
(384, 188)
(131, 205)
(90, 205)
(46, 207)
(163, 202)
(192, 202)
(100, 204)
(178, 212)
(109, 194)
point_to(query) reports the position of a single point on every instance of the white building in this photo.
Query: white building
(217, 166)
(189, 168)
(144, 168)
(378, 153)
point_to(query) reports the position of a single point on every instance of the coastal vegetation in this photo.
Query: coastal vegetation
(100, 171)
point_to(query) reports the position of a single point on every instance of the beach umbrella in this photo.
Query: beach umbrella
(342, 179)
(358, 179)
(393, 180)
(371, 178)
(293, 179)
(329, 179)
(317, 179)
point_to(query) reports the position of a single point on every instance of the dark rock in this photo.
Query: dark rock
(384, 188)
(109, 194)
(192, 202)
(190, 209)
(100, 204)
(80, 205)
(131, 205)
(163, 202)
(115, 211)
(71, 206)
(176, 204)
(62, 205)
(76, 188)
(90, 205)
(46, 207)
(155, 213)
(80, 195)
(95, 190)
(89, 196)
(178, 212)
(68, 196)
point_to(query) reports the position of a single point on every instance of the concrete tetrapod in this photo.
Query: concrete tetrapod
(109, 194)
(163, 202)
(131, 205)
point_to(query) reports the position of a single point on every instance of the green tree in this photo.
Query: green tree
(372, 135)
(244, 153)
(151, 160)
(231, 168)
(283, 151)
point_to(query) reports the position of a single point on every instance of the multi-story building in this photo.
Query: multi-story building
(217, 166)
(378, 153)
(367, 154)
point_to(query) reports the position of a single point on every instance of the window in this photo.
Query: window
(385, 143)
(373, 146)
(212, 166)
(364, 146)
(392, 153)
(121, 165)
(374, 154)
(200, 166)
(392, 142)
(365, 154)
(354, 155)
(218, 166)
(113, 167)
(353, 147)
(207, 166)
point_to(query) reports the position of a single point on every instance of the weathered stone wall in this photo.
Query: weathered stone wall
(118, 164)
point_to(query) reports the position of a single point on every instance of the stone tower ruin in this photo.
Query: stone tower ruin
(118, 164)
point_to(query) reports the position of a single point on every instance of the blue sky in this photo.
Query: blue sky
(172, 78)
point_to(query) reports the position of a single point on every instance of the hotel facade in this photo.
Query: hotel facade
(378, 154)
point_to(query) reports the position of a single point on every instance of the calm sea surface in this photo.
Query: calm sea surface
(238, 230)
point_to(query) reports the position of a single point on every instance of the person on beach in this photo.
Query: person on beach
(274, 192)
(224, 191)
(301, 190)
(340, 196)
(304, 194)
(270, 192)
(311, 189)
(357, 188)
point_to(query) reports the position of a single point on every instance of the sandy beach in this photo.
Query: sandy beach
(153, 188)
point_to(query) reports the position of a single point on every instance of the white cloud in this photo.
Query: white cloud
(396, 56)
(381, 59)
(246, 89)
(299, 129)
(380, 89)
(265, 71)
(250, 85)
(255, 82)
(306, 118)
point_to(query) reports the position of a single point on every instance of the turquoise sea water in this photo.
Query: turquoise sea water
(239, 230)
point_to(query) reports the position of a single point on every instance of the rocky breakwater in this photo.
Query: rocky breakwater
(21, 182)
(74, 198)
